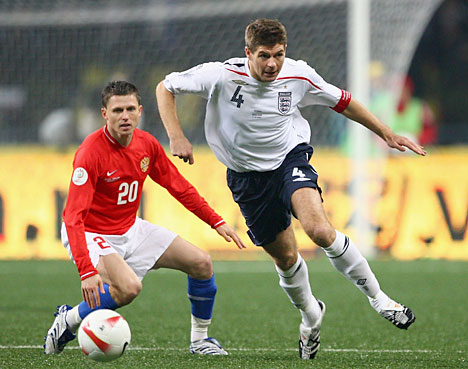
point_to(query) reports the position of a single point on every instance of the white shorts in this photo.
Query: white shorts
(141, 246)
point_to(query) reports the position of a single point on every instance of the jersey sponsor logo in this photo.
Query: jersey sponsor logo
(284, 102)
(110, 173)
(240, 82)
(80, 176)
(144, 163)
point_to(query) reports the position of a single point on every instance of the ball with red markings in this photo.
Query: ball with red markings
(104, 335)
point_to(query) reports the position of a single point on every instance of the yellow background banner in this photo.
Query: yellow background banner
(419, 205)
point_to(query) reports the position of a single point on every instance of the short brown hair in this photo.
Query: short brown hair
(265, 32)
(120, 88)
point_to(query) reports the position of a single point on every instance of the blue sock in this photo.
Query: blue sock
(107, 302)
(202, 296)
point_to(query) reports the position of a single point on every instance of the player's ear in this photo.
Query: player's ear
(104, 113)
(247, 52)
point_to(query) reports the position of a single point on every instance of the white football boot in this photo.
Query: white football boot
(59, 334)
(309, 338)
(399, 315)
(207, 346)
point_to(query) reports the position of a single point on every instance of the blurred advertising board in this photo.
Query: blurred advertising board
(419, 205)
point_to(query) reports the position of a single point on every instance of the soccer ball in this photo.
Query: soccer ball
(104, 335)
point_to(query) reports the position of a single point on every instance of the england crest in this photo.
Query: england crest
(284, 102)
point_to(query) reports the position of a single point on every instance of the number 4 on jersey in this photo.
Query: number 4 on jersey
(301, 177)
(237, 98)
(298, 173)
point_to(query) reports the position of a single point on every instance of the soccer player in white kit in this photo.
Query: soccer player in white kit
(254, 127)
(114, 249)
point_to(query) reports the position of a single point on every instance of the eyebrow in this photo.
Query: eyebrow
(122, 107)
(269, 52)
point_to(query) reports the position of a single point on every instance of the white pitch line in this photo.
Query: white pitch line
(137, 348)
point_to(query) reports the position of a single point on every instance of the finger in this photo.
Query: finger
(400, 147)
(97, 297)
(89, 299)
(239, 243)
(396, 145)
(191, 160)
(419, 150)
(227, 238)
(101, 287)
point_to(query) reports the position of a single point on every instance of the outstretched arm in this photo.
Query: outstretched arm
(357, 112)
(179, 145)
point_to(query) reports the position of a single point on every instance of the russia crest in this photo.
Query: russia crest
(284, 102)
(144, 163)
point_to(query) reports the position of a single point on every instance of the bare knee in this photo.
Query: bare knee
(322, 234)
(201, 266)
(126, 293)
(286, 260)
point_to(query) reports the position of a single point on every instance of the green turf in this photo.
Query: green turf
(253, 318)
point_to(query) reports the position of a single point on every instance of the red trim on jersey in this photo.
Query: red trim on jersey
(88, 274)
(240, 73)
(303, 78)
(219, 224)
(344, 101)
(108, 135)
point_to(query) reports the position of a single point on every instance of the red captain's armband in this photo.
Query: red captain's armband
(344, 101)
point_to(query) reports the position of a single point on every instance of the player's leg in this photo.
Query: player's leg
(121, 286)
(196, 263)
(345, 256)
(267, 214)
(294, 276)
(294, 280)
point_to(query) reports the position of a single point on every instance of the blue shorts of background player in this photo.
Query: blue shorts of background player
(264, 198)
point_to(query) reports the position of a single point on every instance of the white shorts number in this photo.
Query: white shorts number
(101, 242)
(127, 193)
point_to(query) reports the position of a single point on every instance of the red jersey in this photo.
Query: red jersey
(106, 188)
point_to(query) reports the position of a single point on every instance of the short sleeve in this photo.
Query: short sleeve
(198, 80)
(320, 92)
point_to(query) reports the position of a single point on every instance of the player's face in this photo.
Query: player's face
(266, 62)
(122, 115)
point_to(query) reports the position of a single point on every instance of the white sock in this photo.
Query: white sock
(295, 282)
(199, 329)
(346, 258)
(73, 319)
(380, 301)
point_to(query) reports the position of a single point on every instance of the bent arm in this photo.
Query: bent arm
(357, 112)
(179, 145)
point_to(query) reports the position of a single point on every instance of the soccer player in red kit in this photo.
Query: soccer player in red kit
(112, 248)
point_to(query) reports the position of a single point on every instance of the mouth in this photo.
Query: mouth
(125, 126)
(270, 74)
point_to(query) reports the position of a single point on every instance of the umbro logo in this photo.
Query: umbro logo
(110, 173)
(240, 82)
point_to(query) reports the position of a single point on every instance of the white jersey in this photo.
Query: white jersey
(252, 125)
